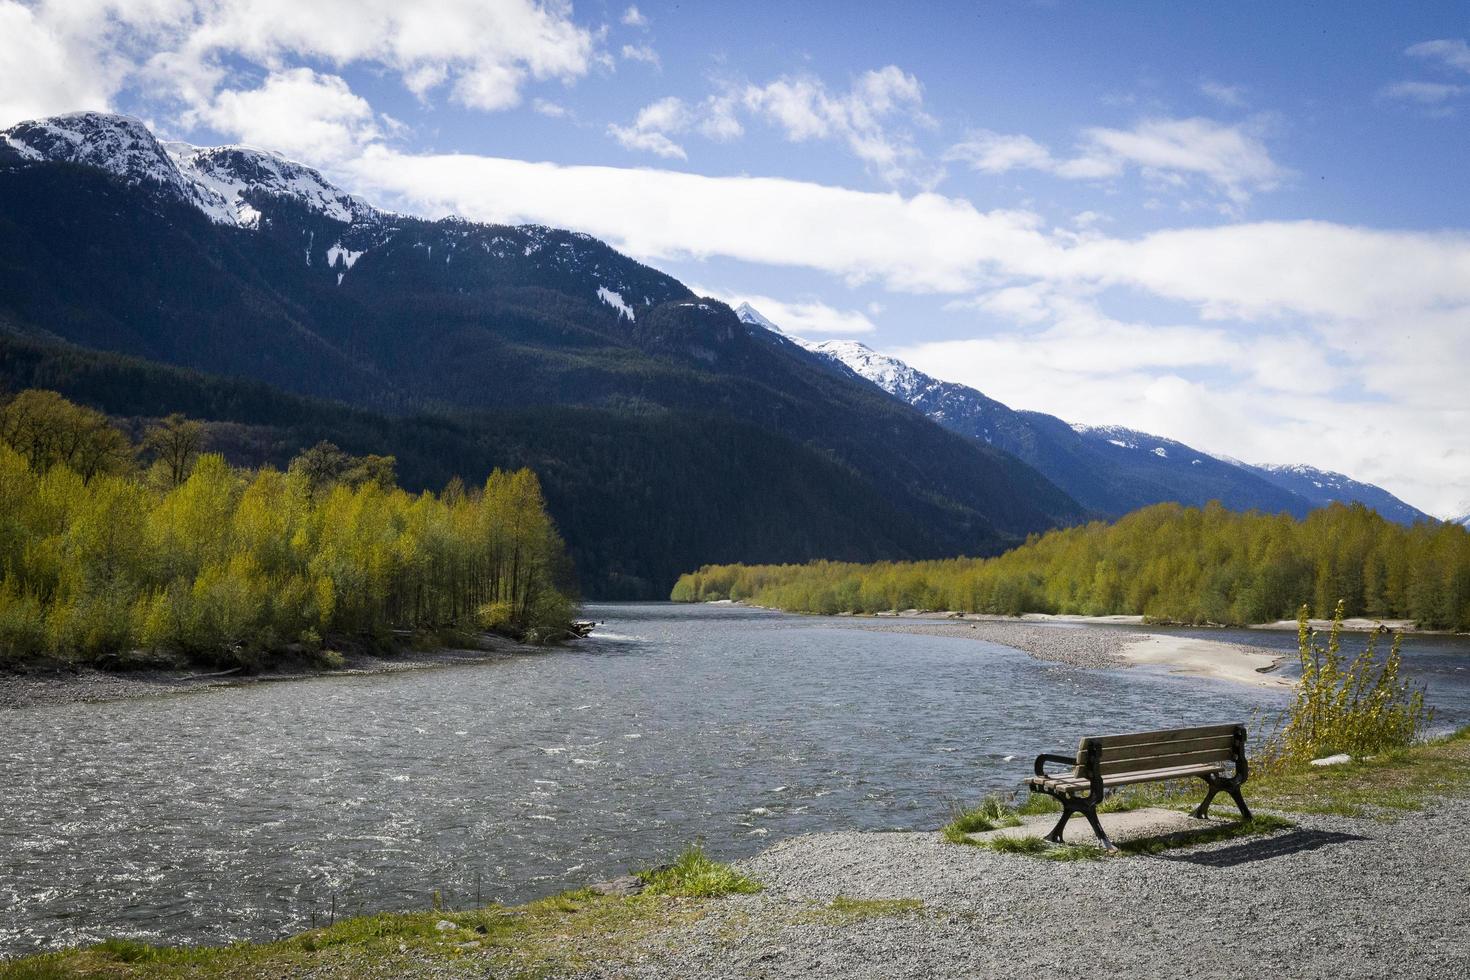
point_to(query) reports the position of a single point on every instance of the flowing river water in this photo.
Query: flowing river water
(251, 812)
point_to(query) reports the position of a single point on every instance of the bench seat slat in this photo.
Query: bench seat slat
(1079, 784)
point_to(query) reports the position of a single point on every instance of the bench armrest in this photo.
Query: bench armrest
(1044, 758)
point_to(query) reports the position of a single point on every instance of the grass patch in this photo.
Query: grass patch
(562, 934)
(1032, 846)
(843, 910)
(1388, 783)
(565, 933)
(992, 812)
(694, 875)
(1037, 804)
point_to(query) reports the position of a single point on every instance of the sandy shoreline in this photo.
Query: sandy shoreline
(1081, 644)
(1208, 658)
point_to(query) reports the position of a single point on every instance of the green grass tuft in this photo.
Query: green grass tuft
(694, 875)
(992, 812)
(1036, 847)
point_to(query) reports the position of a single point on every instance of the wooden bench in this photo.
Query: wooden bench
(1214, 753)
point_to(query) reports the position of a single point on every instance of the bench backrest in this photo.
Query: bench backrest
(1166, 749)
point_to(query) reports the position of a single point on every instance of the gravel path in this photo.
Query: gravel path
(1391, 901)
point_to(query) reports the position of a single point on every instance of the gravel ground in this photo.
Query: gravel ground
(1076, 646)
(1393, 902)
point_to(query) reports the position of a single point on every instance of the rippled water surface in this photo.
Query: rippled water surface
(245, 812)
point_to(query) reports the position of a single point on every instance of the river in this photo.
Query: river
(248, 812)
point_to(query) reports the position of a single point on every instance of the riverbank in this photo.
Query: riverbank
(57, 685)
(1105, 643)
(1308, 901)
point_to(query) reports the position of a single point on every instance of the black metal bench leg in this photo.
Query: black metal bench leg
(1203, 810)
(1234, 791)
(1091, 815)
(1056, 832)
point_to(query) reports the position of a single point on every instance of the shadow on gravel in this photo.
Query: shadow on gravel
(1292, 842)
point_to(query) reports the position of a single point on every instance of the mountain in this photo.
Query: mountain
(749, 314)
(1323, 487)
(1107, 469)
(243, 265)
(216, 180)
(1462, 519)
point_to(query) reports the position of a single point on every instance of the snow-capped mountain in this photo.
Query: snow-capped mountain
(888, 373)
(228, 174)
(1323, 487)
(1462, 519)
(218, 180)
(749, 314)
(1109, 469)
(231, 185)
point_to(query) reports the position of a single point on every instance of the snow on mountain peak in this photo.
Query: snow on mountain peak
(888, 373)
(231, 172)
(121, 145)
(1321, 479)
(216, 180)
(749, 314)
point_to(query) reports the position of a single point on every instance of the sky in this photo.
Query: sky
(1243, 226)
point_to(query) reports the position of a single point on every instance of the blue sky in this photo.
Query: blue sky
(1243, 226)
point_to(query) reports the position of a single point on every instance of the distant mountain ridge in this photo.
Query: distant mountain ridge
(1109, 469)
(1323, 487)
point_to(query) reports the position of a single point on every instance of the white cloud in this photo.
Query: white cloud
(805, 109)
(42, 73)
(311, 117)
(643, 53)
(867, 118)
(546, 107)
(633, 17)
(1425, 93)
(66, 55)
(1234, 160)
(719, 120)
(802, 318)
(653, 127)
(926, 242)
(1230, 96)
(995, 153)
(657, 123)
(1452, 53)
(1231, 159)
(932, 243)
